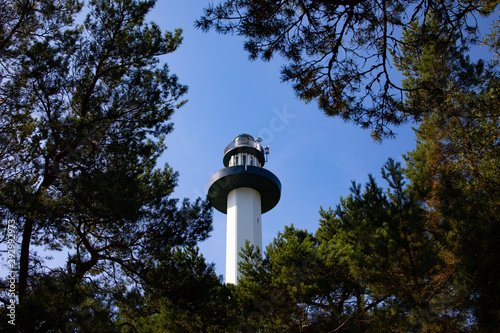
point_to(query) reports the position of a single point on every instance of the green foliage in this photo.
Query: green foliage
(83, 114)
(455, 170)
(339, 53)
(299, 287)
(59, 305)
(386, 241)
(376, 263)
(184, 295)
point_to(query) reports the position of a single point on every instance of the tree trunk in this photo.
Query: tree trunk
(24, 259)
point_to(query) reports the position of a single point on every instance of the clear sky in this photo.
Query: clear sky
(314, 156)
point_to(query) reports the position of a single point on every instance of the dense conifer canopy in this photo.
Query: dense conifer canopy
(84, 110)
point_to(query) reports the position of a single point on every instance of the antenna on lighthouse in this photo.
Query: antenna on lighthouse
(267, 153)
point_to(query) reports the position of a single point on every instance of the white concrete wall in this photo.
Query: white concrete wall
(244, 222)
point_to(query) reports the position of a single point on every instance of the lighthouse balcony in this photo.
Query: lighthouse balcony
(257, 178)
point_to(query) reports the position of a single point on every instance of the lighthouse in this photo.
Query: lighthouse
(243, 190)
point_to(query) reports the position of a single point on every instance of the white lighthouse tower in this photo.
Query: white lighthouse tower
(243, 190)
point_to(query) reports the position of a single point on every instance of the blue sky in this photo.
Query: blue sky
(314, 156)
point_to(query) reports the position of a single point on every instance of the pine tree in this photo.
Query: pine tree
(393, 250)
(377, 261)
(299, 286)
(85, 108)
(455, 169)
(185, 295)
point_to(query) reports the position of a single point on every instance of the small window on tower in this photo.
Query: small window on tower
(244, 159)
